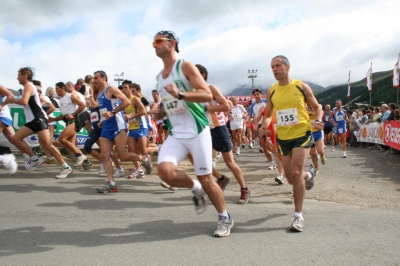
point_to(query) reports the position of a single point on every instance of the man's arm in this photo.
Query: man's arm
(223, 105)
(113, 92)
(49, 104)
(5, 92)
(268, 111)
(26, 94)
(202, 93)
(141, 110)
(313, 103)
(81, 105)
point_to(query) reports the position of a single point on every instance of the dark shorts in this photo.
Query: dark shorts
(81, 120)
(164, 124)
(327, 130)
(285, 146)
(220, 139)
(37, 124)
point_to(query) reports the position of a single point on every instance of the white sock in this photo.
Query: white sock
(299, 214)
(112, 183)
(223, 214)
(65, 165)
(309, 176)
(213, 162)
(196, 186)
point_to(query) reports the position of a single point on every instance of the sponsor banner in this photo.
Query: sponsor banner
(18, 117)
(392, 134)
(372, 133)
(244, 99)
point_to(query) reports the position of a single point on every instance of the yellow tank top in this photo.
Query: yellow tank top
(289, 103)
(131, 110)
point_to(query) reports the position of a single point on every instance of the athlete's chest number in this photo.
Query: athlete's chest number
(173, 106)
(287, 117)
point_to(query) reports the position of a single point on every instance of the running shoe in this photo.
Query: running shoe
(225, 224)
(237, 151)
(118, 172)
(64, 172)
(219, 156)
(297, 224)
(26, 160)
(166, 185)
(323, 159)
(102, 171)
(200, 201)
(50, 161)
(333, 149)
(272, 166)
(251, 146)
(33, 164)
(244, 196)
(108, 188)
(279, 179)
(261, 150)
(80, 159)
(147, 165)
(344, 155)
(223, 182)
(11, 165)
(310, 182)
(136, 175)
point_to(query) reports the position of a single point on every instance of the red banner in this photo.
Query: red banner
(392, 134)
(243, 99)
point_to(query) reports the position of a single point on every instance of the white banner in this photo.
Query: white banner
(372, 133)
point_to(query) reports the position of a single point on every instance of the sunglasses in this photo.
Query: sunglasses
(159, 41)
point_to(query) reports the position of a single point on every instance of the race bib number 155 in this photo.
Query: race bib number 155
(287, 117)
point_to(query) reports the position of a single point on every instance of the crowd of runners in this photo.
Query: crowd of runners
(184, 118)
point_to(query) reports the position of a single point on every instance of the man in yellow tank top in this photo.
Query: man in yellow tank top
(288, 99)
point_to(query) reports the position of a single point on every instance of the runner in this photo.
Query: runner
(328, 132)
(236, 125)
(318, 146)
(220, 138)
(288, 99)
(135, 115)
(70, 107)
(111, 102)
(253, 112)
(338, 119)
(36, 122)
(159, 123)
(188, 127)
(8, 160)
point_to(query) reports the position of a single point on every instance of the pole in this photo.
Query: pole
(398, 88)
(370, 97)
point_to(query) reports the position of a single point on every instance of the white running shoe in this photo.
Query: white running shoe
(237, 151)
(279, 179)
(219, 155)
(26, 160)
(80, 159)
(102, 171)
(11, 165)
(34, 164)
(344, 155)
(251, 145)
(64, 172)
(118, 172)
(272, 166)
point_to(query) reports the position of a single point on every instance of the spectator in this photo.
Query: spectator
(377, 114)
(50, 92)
(364, 117)
(385, 112)
(396, 114)
(392, 107)
(354, 127)
(370, 116)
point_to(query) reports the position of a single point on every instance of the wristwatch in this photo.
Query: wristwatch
(113, 112)
(181, 95)
(318, 120)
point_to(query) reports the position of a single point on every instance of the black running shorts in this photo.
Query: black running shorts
(285, 146)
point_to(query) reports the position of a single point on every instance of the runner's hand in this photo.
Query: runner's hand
(318, 125)
(172, 89)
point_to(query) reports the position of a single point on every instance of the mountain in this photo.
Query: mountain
(246, 89)
(382, 91)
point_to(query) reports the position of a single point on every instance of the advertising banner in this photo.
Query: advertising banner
(372, 133)
(392, 134)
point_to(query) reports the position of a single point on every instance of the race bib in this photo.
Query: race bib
(132, 120)
(339, 118)
(102, 112)
(94, 117)
(173, 106)
(287, 117)
(327, 118)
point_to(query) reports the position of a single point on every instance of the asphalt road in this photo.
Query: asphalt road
(45, 221)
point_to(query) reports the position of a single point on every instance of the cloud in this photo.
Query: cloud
(66, 40)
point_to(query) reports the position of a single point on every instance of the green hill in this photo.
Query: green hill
(382, 91)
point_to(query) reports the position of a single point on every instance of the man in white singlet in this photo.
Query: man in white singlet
(36, 122)
(70, 107)
(188, 127)
(236, 125)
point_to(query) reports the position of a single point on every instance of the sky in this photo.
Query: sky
(68, 39)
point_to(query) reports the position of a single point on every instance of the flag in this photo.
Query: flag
(396, 75)
(348, 86)
(369, 79)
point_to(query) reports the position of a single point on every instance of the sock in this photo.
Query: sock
(221, 178)
(112, 183)
(65, 165)
(299, 214)
(309, 176)
(196, 186)
(213, 162)
(243, 188)
(223, 214)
